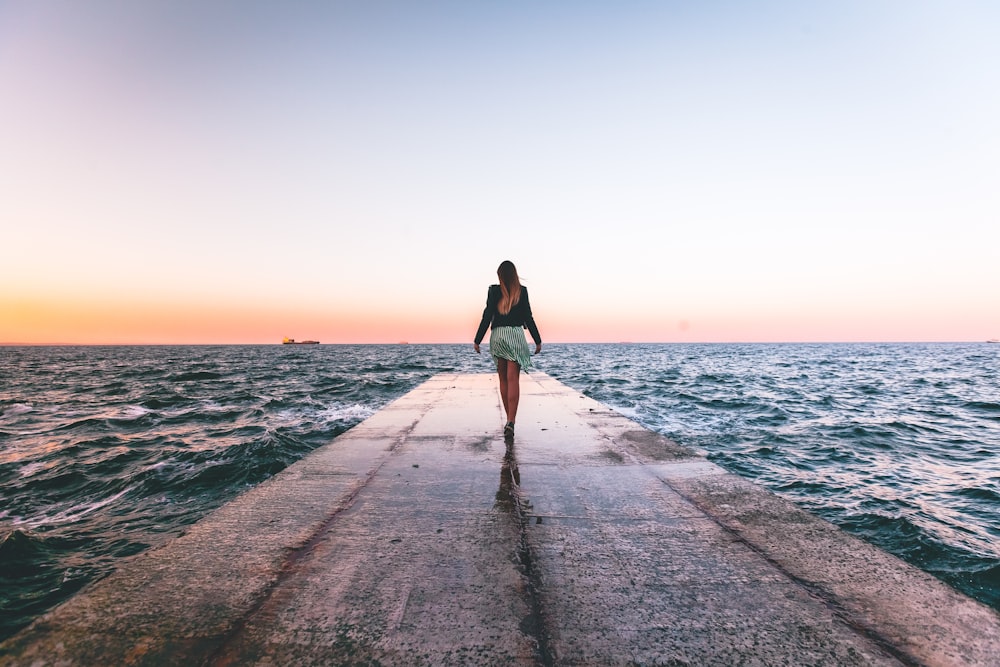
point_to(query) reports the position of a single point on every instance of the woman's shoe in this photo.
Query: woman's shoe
(508, 430)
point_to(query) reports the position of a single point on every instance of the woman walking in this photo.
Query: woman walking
(507, 313)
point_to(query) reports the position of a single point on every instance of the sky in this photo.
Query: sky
(354, 172)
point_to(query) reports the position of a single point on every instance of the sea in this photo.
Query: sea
(108, 451)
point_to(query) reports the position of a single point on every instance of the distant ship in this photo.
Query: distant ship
(993, 340)
(292, 341)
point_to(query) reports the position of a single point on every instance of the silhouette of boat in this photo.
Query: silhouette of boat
(292, 341)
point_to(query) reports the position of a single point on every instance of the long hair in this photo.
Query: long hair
(510, 287)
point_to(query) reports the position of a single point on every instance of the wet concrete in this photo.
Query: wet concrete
(420, 537)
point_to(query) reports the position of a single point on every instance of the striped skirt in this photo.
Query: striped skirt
(509, 343)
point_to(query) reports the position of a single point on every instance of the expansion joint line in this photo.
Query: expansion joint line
(223, 655)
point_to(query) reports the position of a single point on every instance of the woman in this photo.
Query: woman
(507, 313)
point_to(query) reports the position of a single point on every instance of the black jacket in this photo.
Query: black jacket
(519, 315)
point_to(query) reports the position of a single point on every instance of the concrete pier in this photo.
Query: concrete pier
(420, 537)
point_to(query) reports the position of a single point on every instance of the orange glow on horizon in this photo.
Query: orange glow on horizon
(135, 323)
(48, 321)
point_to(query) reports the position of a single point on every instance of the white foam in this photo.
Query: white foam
(30, 469)
(18, 409)
(74, 513)
(133, 412)
(342, 412)
(333, 413)
(631, 413)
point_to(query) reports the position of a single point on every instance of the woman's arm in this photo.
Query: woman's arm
(529, 321)
(492, 298)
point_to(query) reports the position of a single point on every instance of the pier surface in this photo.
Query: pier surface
(419, 537)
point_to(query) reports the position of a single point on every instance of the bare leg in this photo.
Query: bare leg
(502, 372)
(513, 390)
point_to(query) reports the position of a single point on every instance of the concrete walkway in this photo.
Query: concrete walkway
(420, 538)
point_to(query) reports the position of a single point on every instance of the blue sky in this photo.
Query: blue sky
(357, 170)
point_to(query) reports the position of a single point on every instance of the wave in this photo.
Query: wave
(156, 403)
(195, 376)
(74, 513)
(988, 407)
(986, 496)
(31, 578)
(16, 409)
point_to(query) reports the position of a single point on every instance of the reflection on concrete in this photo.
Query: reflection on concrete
(510, 480)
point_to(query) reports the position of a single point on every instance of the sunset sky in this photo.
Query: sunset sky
(236, 172)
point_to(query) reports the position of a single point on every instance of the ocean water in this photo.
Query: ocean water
(107, 451)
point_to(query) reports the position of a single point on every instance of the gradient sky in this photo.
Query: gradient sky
(236, 172)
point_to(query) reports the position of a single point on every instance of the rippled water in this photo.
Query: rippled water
(105, 451)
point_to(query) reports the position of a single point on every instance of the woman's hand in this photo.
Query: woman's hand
(476, 346)
(538, 348)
